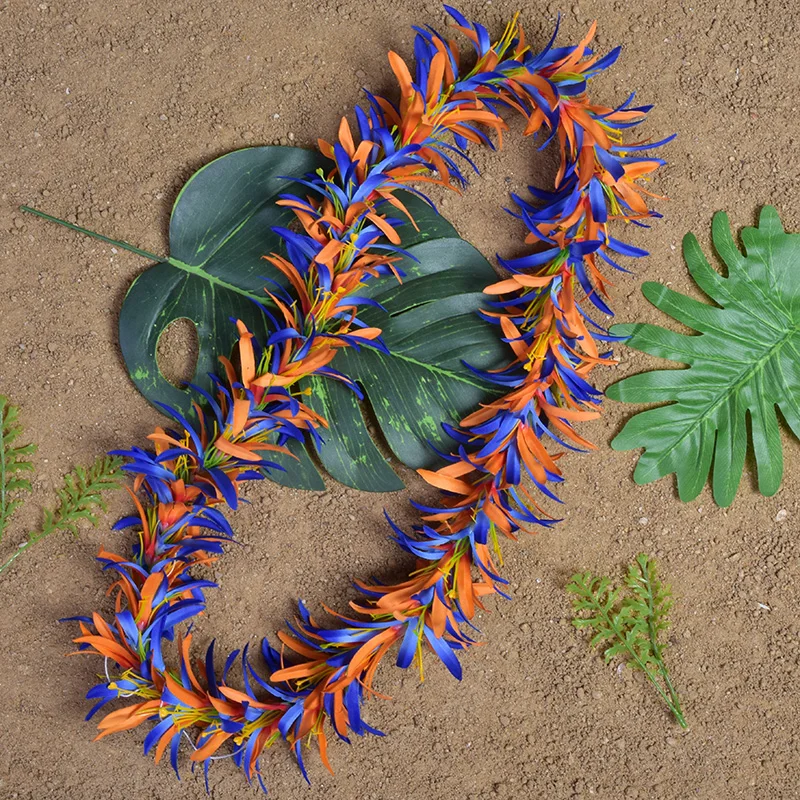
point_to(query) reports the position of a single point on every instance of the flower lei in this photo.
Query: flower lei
(191, 472)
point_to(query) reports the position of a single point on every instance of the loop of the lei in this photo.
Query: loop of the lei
(321, 676)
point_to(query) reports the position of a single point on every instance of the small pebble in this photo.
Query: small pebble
(781, 515)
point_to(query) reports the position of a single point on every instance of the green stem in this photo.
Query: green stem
(31, 540)
(3, 499)
(674, 705)
(79, 229)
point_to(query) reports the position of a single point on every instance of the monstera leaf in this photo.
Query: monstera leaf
(745, 362)
(219, 231)
(431, 327)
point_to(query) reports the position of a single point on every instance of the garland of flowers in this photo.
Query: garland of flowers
(346, 219)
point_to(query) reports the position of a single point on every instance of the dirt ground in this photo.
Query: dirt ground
(107, 108)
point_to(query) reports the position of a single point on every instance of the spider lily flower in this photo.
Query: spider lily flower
(215, 455)
(306, 709)
(154, 611)
(430, 545)
(200, 529)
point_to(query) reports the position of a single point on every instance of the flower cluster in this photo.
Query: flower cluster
(348, 235)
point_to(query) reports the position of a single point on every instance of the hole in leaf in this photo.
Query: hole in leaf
(177, 351)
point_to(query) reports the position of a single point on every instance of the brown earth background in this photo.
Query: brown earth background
(107, 109)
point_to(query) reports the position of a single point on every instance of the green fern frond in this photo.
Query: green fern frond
(82, 495)
(79, 500)
(13, 462)
(629, 625)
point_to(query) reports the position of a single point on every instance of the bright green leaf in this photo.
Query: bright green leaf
(745, 362)
(79, 500)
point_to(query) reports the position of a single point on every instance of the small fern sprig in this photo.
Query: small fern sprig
(13, 461)
(629, 624)
(79, 499)
(652, 600)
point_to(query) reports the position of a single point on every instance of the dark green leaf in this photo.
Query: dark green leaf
(348, 452)
(744, 362)
(219, 230)
(430, 325)
(299, 472)
(218, 233)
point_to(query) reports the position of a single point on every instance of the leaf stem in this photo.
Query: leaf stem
(3, 407)
(31, 540)
(674, 702)
(79, 229)
(51, 524)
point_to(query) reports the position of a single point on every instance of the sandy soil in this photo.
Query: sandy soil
(107, 108)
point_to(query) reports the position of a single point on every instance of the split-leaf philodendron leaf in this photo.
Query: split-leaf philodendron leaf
(745, 363)
(219, 231)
